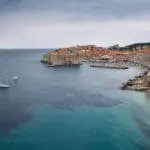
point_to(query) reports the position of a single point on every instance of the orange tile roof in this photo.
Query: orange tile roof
(147, 51)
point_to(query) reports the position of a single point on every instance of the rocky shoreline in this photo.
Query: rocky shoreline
(139, 83)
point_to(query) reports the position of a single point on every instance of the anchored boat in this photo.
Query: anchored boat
(4, 85)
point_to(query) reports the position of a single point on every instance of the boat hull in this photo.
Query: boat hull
(4, 85)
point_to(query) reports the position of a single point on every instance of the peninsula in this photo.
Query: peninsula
(113, 57)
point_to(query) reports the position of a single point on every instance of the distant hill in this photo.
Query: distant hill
(135, 46)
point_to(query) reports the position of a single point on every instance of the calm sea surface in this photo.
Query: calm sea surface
(70, 108)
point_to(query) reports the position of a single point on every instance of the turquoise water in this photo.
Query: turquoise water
(70, 108)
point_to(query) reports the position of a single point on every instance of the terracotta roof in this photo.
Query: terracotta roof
(146, 51)
(148, 74)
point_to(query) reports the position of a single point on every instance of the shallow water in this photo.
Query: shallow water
(70, 108)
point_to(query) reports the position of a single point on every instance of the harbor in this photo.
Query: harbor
(136, 55)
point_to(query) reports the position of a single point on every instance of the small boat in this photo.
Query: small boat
(4, 85)
(15, 78)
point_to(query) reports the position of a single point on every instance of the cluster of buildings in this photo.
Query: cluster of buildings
(70, 55)
(139, 52)
(136, 53)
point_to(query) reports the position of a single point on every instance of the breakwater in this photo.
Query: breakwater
(108, 65)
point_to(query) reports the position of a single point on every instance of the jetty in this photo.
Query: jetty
(109, 66)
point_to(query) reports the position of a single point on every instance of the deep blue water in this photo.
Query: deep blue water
(70, 108)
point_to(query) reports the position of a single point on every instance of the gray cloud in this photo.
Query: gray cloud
(56, 23)
(82, 8)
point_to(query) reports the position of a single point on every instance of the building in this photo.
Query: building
(45, 58)
(147, 79)
(144, 56)
(62, 58)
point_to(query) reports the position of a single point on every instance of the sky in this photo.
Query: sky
(63, 23)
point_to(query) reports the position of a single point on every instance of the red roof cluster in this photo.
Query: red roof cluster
(147, 51)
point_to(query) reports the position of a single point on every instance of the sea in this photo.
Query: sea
(69, 108)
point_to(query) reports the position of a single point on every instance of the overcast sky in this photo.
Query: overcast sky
(61, 23)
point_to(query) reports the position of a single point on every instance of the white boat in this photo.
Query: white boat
(4, 85)
(15, 78)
